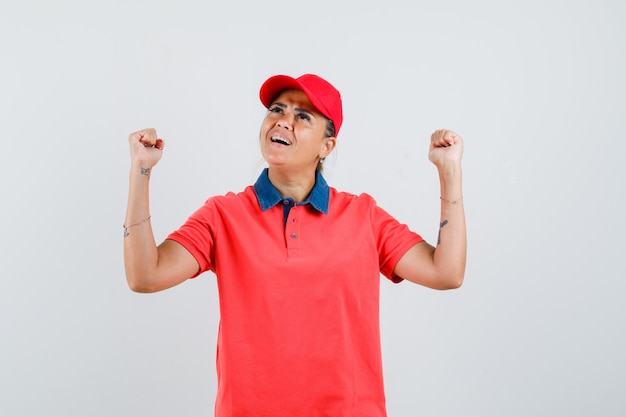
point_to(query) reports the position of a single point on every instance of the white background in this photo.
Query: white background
(536, 88)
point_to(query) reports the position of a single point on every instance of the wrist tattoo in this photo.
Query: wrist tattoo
(441, 225)
(145, 171)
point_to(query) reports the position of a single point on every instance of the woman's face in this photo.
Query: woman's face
(292, 133)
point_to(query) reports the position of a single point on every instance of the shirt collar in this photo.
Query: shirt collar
(268, 196)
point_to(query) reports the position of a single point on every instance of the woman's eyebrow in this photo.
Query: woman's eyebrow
(299, 110)
(296, 109)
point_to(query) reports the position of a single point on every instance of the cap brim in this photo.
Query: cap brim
(274, 85)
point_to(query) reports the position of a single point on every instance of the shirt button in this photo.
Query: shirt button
(285, 202)
(293, 235)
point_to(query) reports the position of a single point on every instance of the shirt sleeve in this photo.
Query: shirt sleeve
(197, 235)
(393, 240)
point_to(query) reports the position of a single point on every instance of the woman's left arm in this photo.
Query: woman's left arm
(443, 266)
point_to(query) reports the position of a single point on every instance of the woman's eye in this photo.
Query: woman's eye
(304, 116)
(275, 109)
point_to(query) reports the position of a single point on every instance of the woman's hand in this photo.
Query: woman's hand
(146, 149)
(446, 147)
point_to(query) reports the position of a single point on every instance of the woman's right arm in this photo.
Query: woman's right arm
(149, 268)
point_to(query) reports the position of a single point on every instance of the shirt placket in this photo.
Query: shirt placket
(292, 232)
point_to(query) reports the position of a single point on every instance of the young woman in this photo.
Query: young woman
(297, 262)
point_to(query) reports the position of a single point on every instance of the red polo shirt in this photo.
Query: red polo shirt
(299, 299)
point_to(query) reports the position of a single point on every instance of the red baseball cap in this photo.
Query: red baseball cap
(325, 97)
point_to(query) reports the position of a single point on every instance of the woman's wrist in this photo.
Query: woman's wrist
(450, 169)
(140, 168)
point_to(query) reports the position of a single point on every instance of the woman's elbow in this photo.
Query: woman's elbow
(438, 282)
(139, 284)
(450, 282)
(453, 282)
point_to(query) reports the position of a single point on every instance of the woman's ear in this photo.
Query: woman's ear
(328, 146)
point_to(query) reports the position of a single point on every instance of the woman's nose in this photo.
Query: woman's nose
(285, 121)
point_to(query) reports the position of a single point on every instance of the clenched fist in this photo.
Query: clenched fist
(146, 148)
(446, 147)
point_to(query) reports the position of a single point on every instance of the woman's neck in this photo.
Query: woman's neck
(296, 186)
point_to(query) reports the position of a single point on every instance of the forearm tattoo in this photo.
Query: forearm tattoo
(145, 171)
(441, 225)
